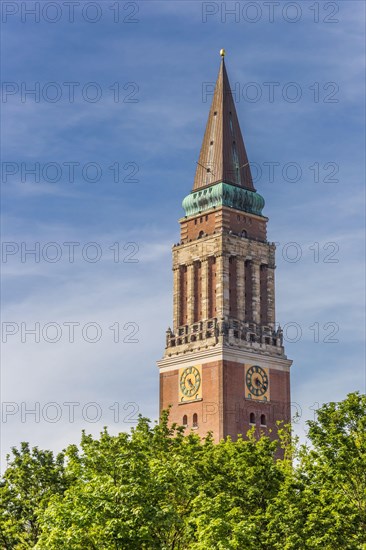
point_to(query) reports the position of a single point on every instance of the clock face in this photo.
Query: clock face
(190, 382)
(256, 380)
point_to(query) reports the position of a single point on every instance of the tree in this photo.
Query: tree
(322, 502)
(31, 478)
(229, 511)
(156, 488)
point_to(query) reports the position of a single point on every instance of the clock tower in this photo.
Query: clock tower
(224, 368)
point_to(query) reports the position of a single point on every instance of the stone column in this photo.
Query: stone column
(204, 271)
(240, 288)
(176, 297)
(222, 286)
(256, 291)
(190, 293)
(271, 296)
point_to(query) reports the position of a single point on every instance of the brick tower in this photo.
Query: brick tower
(224, 368)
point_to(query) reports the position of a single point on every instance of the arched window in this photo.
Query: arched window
(195, 420)
(201, 234)
(252, 418)
(185, 420)
(244, 233)
(263, 420)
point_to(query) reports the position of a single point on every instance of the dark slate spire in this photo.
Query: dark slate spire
(223, 157)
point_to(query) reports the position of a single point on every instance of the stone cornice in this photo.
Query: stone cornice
(223, 353)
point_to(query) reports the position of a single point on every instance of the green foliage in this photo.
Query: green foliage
(158, 489)
(30, 480)
(322, 502)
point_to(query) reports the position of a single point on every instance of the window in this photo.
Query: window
(236, 163)
(195, 420)
(201, 234)
(231, 124)
(252, 418)
(263, 420)
(244, 233)
(185, 420)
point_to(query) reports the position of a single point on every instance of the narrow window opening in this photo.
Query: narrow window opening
(252, 418)
(263, 420)
(231, 123)
(195, 420)
(236, 163)
(185, 420)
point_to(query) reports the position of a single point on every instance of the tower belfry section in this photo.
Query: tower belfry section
(224, 368)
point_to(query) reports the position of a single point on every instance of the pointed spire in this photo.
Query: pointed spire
(223, 157)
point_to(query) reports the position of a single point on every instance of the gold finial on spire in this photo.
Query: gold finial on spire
(222, 52)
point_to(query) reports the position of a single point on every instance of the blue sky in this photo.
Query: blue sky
(164, 60)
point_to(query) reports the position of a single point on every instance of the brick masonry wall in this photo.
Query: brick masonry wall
(223, 408)
(237, 409)
(207, 408)
(226, 218)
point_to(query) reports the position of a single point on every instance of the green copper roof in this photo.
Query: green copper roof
(223, 194)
